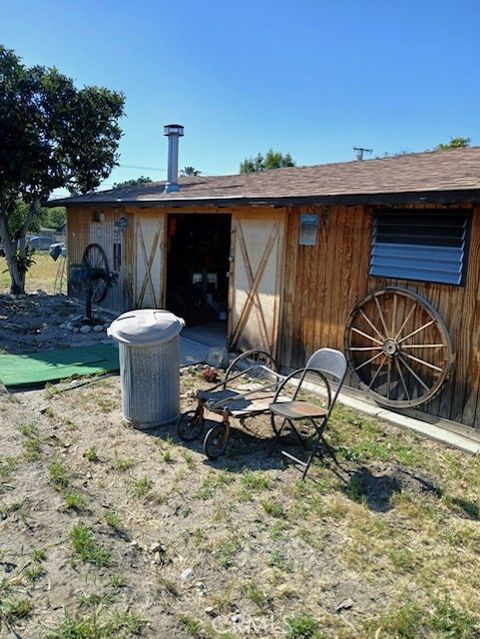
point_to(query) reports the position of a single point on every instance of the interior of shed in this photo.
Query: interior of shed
(198, 249)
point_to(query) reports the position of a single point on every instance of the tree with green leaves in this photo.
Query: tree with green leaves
(271, 160)
(46, 217)
(54, 217)
(53, 135)
(133, 182)
(190, 171)
(455, 143)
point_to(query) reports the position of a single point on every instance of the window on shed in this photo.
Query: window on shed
(427, 248)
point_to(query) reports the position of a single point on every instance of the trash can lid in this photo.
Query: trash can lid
(145, 327)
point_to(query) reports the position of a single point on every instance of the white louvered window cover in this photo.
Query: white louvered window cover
(421, 247)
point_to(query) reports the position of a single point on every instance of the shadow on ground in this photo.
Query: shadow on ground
(376, 485)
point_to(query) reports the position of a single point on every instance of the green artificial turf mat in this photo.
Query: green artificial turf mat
(36, 369)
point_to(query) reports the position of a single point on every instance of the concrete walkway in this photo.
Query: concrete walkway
(442, 430)
(192, 352)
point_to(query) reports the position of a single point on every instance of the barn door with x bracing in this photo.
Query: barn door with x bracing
(256, 282)
(149, 231)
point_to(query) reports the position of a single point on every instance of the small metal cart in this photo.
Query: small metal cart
(261, 382)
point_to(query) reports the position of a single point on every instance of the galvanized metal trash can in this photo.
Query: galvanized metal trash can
(149, 349)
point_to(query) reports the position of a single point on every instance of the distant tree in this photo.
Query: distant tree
(190, 170)
(52, 135)
(50, 218)
(55, 217)
(455, 143)
(252, 165)
(271, 160)
(133, 182)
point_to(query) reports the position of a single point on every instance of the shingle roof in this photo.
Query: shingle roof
(417, 173)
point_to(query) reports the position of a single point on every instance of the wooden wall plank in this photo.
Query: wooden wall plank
(328, 282)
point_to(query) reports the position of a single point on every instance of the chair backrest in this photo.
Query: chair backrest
(328, 361)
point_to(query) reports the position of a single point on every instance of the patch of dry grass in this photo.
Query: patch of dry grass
(40, 276)
(236, 548)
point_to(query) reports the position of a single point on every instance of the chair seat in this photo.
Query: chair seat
(297, 410)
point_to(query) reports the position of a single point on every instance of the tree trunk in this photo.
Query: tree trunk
(16, 276)
(16, 244)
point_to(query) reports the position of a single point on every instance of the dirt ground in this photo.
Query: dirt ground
(111, 532)
(107, 531)
(36, 322)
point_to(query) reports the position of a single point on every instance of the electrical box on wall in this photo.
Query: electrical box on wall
(308, 229)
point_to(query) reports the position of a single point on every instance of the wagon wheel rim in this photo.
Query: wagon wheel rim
(398, 347)
(94, 256)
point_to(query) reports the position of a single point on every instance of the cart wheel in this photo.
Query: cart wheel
(215, 441)
(189, 425)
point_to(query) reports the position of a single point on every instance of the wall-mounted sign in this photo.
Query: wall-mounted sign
(308, 229)
(122, 222)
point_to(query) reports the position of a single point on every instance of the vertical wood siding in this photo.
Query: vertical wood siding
(324, 282)
(82, 232)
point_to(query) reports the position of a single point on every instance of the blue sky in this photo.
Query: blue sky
(313, 78)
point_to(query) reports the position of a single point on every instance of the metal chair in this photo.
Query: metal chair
(323, 364)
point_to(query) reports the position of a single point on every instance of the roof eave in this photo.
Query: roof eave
(444, 197)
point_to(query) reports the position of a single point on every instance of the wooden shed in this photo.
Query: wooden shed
(379, 258)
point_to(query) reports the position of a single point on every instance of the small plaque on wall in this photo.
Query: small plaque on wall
(308, 229)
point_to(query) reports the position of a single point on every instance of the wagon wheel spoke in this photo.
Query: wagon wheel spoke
(382, 318)
(357, 330)
(418, 330)
(402, 379)
(387, 327)
(408, 346)
(405, 322)
(394, 314)
(378, 371)
(412, 372)
(389, 375)
(371, 325)
(368, 361)
(423, 362)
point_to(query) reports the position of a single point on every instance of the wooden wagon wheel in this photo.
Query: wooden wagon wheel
(95, 257)
(398, 347)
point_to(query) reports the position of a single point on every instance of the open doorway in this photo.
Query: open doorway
(198, 250)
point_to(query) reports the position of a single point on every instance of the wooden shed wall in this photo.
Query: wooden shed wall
(322, 284)
(81, 232)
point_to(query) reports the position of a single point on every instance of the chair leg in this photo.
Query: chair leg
(320, 439)
(300, 439)
(278, 433)
(330, 450)
(315, 448)
(308, 464)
